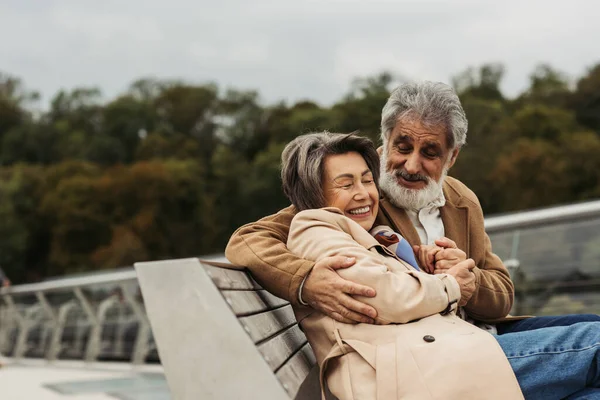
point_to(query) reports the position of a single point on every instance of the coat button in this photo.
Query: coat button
(428, 338)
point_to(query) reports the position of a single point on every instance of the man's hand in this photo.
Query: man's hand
(326, 291)
(5, 282)
(463, 273)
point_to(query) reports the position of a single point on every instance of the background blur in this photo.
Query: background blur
(134, 131)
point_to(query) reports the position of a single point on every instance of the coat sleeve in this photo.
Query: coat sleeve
(403, 295)
(494, 295)
(261, 247)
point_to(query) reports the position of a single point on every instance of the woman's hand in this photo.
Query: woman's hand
(426, 256)
(463, 273)
(439, 257)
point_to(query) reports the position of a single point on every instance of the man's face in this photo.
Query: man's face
(418, 151)
(414, 163)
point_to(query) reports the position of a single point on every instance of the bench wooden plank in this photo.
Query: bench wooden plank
(231, 279)
(292, 374)
(246, 302)
(264, 325)
(278, 349)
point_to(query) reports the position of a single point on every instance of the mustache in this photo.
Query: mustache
(410, 177)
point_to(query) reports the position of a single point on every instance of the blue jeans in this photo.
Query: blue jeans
(561, 362)
(544, 322)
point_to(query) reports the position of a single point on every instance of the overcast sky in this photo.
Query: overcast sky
(292, 50)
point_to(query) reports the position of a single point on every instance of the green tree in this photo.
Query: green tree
(548, 86)
(483, 82)
(361, 108)
(586, 99)
(30, 142)
(492, 131)
(79, 224)
(543, 122)
(13, 99)
(518, 173)
(127, 120)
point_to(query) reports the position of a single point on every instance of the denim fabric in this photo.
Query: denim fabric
(545, 322)
(556, 363)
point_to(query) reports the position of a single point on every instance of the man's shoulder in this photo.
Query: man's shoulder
(283, 216)
(456, 192)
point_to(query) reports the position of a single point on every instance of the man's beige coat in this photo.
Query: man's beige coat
(412, 352)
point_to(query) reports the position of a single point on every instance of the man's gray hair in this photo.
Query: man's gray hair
(303, 164)
(431, 103)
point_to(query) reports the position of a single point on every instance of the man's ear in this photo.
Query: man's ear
(380, 150)
(453, 157)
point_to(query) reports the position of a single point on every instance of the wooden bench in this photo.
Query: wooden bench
(221, 336)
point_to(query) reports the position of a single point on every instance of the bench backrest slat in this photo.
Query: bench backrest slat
(294, 372)
(231, 279)
(264, 325)
(248, 302)
(277, 350)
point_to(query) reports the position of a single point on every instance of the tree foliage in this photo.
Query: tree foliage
(169, 169)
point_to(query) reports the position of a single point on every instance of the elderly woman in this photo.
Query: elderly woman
(418, 348)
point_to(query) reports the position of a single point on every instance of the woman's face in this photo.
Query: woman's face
(349, 185)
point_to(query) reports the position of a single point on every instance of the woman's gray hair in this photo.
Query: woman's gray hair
(431, 103)
(303, 164)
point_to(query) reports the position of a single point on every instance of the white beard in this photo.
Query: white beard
(410, 199)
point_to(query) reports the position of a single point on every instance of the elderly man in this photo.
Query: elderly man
(423, 129)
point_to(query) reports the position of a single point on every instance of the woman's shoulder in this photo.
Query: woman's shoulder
(329, 218)
(320, 213)
(329, 215)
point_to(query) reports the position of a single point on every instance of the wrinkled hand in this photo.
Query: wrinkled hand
(449, 256)
(463, 273)
(426, 256)
(326, 291)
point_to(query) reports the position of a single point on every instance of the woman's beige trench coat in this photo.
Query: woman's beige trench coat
(414, 352)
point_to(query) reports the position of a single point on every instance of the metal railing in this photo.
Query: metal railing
(89, 318)
(553, 255)
(99, 316)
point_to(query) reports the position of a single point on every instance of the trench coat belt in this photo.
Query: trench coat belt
(382, 358)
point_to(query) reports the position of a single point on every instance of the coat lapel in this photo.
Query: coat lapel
(455, 215)
(397, 219)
